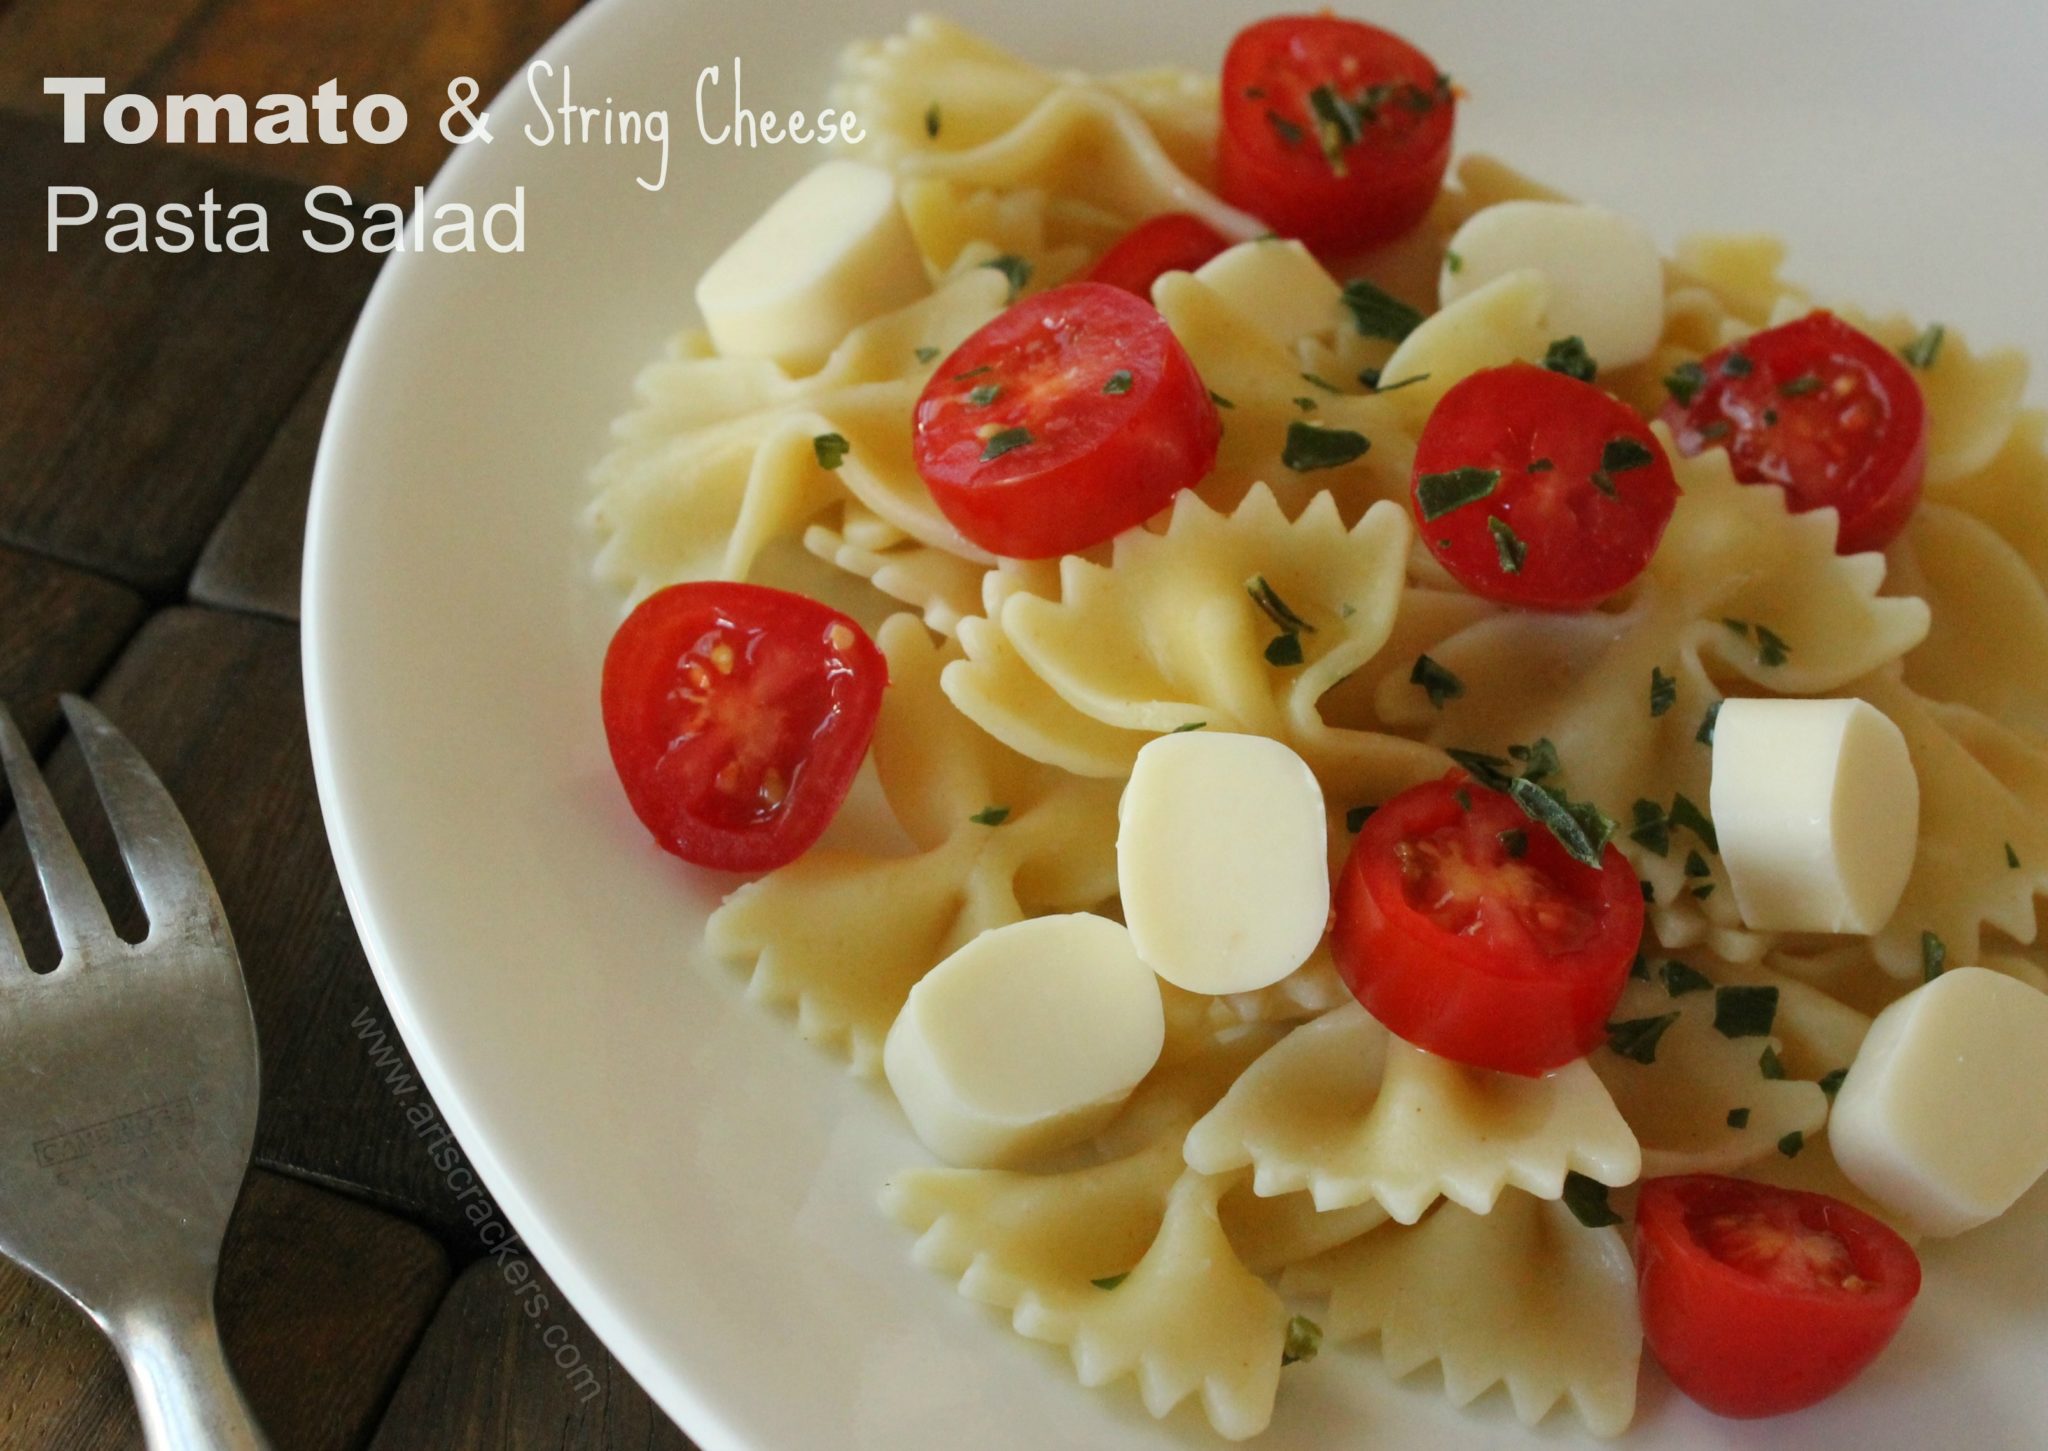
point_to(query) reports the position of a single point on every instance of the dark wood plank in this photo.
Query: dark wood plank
(137, 389)
(252, 561)
(497, 1374)
(213, 701)
(58, 629)
(254, 47)
(322, 1301)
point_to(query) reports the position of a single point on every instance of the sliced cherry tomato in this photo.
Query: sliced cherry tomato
(1175, 242)
(1068, 419)
(737, 717)
(1759, 1300)
(1468, 930)
(1334, 132)
(1536, 489)
(1825, 412)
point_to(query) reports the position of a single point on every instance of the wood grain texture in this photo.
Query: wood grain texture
(213, 701)
(252, 561)
(58, 629)
(507, 1366)
(321, 1303)
(138, 389)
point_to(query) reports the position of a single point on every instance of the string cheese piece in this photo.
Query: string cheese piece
(1606, 278)
(1026, 1040)
(1222, 860)
(1941, 1118)
(1277, 284)
(832, 252)
(1818, 811)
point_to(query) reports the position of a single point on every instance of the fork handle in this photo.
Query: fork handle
(187, 1395)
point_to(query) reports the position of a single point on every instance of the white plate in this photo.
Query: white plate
(700, 1183)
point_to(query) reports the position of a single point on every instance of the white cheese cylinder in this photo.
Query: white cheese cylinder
(1605, 275)
(1222, 860)
(1818, 812)
(1942, 1118)
(1025, 1041)
(831, 253)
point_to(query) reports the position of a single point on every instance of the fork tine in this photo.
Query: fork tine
(76, 913)
(170, 876)
(13, 961)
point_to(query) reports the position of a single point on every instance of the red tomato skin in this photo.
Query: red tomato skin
(785, 637)
(1582, 545)
(1453, 994)
(1125, 461)
(1387, 189)
(1172, 242)
(1743, 1348)
(1877, 487)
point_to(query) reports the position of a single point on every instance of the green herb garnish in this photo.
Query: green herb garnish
(1306, 405)
(1773, 1067)
(991, 816)
(1437, 681)
(1714, 432)
(1541, 466)
(1439, 494)
(1017, 269)
(931, 120)
(1219, 400)
(1507, 545)
(1284, 650)
(1356, 817)
(1687, 817)
(1193, 725)
(1453, 263)
(984, 395)
(1304, 1339)
(1338, 126)
(1579, 826)
(1933, 956)
(1379, 387)
(831, 450)
(1569, 357)
(1791, 1144)
(1636, 1038)
(1831, 1083)
(1771, 651)
(1800, 386)
(1587, 1200)
(1618, 457)
(1003, 441)
(1652, 829)
(1703, 891)
(1515, 842)
(1737, 365)
(1310, 448)
(1110, 1282)
(1696, 865)
(1679, 979)
(2012, 858)
(1738, 1118)
(1745, 1012)
(1705, 734)
(1923, 350)
(1663, 692)
(1276, 609)
(1378, 314)
(1119, 381)
(1684, 382)
(1290, 134)
(926, 355)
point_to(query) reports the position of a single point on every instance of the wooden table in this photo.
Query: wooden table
(158, 415)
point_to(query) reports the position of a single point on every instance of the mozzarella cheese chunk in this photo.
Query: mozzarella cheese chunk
(1277, 284)
(1606, 277)
(1941, 1118)
(1818, 811)
(1026, 1040)
(1222, 860)
(831, 253)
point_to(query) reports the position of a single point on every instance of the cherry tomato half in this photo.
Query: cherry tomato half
(1536, 489)
(1068, 419)
(1759, 1300)
(1334, 132)
(1174, 242)
(737, 717)
(1827, 413)
(1468, 930)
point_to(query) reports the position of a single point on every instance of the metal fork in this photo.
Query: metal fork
(128, 1092)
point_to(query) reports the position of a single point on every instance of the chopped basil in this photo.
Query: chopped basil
(1193, 725)
(1831, 1083)
(1379, 387)
(2012, 858)
(1003, 441)
(1370, 377)
(1356, 817)
(1284, 650)
(1539, 759)
(1110, 1282)
(1737, 365)
(1705, 734)
(1714, 432)
(1618, 457)
(1738, 1118)
(1639, 969)
(1377, 314)
(1740, 627)
(1277, 610)
(1463, 796)
(1507, 545)
(931, 120)
(991, 816)
(1696, 865)
(1771, 651)
(1652, 829)
(1636, 1038)
(1119, 381)
(1439, 494)
(1306, 405)
(1323, 383)
(1290, 134)
(1649, 890)
(926, 355)
(1800, 386)
(1304, 1339)
(1684, 382)
(1663, 692)
(1489, 771)
(1579, 826)
(1923, 350)
(1933, 956)
(1770, 418)
(1437, 681)
(831, 450)
(1745, 1012)
(1453, 263)
(1016, 268)
(1773, 1067)
(984, 395)
(1569, 357)
(1703, 892)
(1515, 842)
(1339, 126)
(1688, 817)
(1791, 1144)
(1541, 466)
(1219, 400)
(1310, 448)
(973, 372)
(1679, 979)
(1587, 1200)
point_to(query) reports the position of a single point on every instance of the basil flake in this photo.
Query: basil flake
(1705, 734)
(1688, 817)
(1507, 545)
(1636, 1038)
(1440, 684)
(1831, 1083)
(1304, 1339)
(1378, 314)
(2012, 858)
(1737, 365)
(931, 120)
(1744, 1011)
(1684, 382)
(1119, 381)
(1569, 357)
(1587, 1200)
(1663, 692)
(1791, 1144)
(1193, 725)
(1696, 865)
(1003, 441)
(1339, 126)
(1290, 134)
(1310, 448)
(831, 450)
(1933, 956)
(1770, 650)
(1923, 350)
(1284, 650)
(1515, 842)
(1773, 1067)
(1356, 817)
(991, 816)
(1652, 829)
(1800, 386)
(1379, 387)
(1453, 263)
(1439, 494)
(1579, 826)
(1738, 1118)
(1276, 609)
(1306, 405)
(1219, 400)
(926, 355)
(1680, 979)
(1110, 1282)
(984, 395)
(1017, 269)
(1618, 457)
